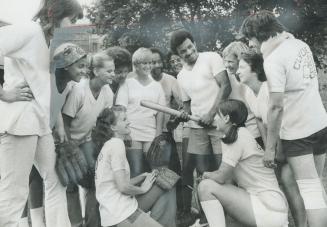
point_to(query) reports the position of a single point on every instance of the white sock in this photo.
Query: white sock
(37, 217)
(214, 212)
(23, 222)
(82, 199)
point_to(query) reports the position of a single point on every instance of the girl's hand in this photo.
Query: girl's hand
(269, 159)
(148, 182)
(208, 175)
(21, 92)
(61, 134)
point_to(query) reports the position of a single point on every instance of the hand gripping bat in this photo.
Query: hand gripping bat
(167, 110)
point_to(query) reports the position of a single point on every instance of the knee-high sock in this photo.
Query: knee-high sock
(23, 222)
(214, 212)
(37, 217)
(82, 195)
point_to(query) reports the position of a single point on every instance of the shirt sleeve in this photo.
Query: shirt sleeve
(216, 64)
(15, 37)
(276, 76)
(232, 153)
(118, 155)
(74, 102)
(122, 95)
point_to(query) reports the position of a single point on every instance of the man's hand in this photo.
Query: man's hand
(21, 92)
(207, 120)
(269, 159)
(184, 117)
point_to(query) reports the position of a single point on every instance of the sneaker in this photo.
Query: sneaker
(185, 219)
(198, 224)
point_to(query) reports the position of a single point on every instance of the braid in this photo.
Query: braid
(102, 131)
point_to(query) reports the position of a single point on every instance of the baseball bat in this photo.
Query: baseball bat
(165, 109)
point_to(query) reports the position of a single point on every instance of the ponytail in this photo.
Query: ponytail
(238, 114)
(102, 131)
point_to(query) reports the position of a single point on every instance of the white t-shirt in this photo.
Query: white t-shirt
(290, 68)
(238, 92)
(114, 205)
(142, 120)
(84, 109)
(199, 84)
(26, 58)
(259, 104)
(172, 91)
(246, 155)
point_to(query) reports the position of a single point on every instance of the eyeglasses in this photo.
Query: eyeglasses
(175, 61)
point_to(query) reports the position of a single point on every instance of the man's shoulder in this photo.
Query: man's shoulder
(209, 54)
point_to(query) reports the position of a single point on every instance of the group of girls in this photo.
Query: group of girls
(96, 104)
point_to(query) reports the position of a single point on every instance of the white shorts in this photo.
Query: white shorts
(270, 209)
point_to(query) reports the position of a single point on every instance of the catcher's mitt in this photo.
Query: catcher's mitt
(71, 165)
(166, 178)
(160, 151)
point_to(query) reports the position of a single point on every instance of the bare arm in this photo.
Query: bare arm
(262, 130)
(223, 175)
(138, 179)
(225, 89)
(275, 115)
(125, 186)
(159, 123)
(60, 128)
(67, 120)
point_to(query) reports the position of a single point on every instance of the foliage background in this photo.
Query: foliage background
(214, 23)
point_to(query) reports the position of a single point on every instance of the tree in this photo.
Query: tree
(137, 23)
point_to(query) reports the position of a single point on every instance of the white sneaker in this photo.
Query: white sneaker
(198, 224)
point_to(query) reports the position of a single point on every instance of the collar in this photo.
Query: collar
(272, 43)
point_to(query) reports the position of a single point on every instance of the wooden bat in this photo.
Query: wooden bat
(165, 109)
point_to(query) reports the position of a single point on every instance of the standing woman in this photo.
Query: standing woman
(25, 130)
(83, 105)
(257, 199)
(231, 55)
(123, 65)
(252, 74)
(145, 124)
(296, 114)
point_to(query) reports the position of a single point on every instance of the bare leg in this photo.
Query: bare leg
(293, 196)
(236, 201)
(316, 217)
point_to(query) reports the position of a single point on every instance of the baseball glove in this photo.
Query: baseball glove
(71, 165)
(166, 178)
(160, 151)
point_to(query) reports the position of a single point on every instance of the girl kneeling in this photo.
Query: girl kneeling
(122, 200)
(257, 200)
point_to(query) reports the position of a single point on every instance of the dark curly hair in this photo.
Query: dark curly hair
(102, 131)
(177, 38)
(238, 113)
(53, 11)
(261, 25)
(255, 61)
(122, 57)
